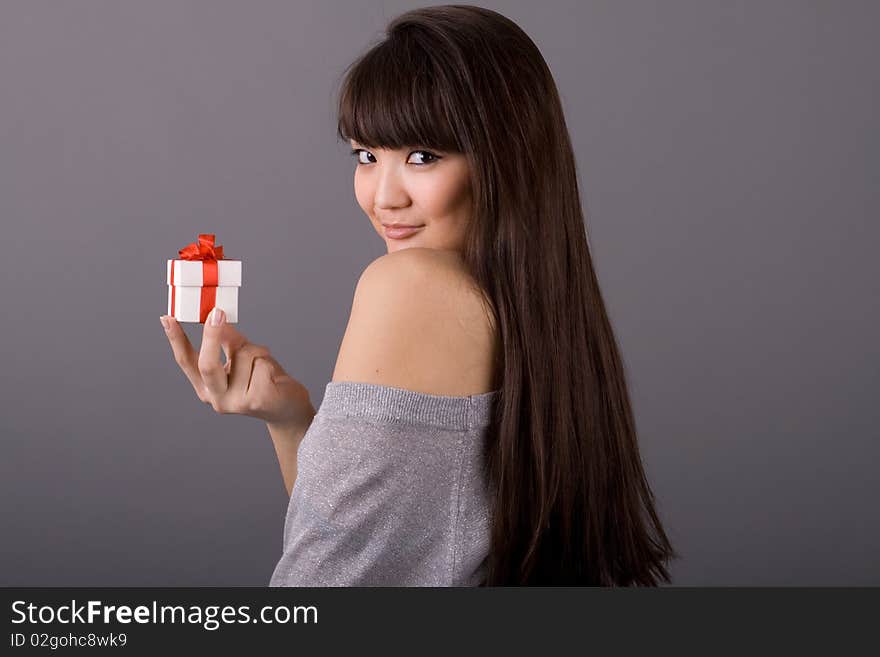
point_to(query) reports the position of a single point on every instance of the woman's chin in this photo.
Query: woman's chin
(394, 245)
(400, 245)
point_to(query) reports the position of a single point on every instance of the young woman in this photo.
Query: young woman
(478, 428)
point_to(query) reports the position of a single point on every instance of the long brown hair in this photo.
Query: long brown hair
(571, 501)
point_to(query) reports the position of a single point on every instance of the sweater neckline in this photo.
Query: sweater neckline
(389, 403)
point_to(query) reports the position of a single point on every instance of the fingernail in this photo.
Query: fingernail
(216, 317)
(165, 324)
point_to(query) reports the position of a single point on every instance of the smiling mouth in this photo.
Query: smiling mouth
(400, 232)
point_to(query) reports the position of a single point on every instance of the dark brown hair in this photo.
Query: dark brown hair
(571, 501)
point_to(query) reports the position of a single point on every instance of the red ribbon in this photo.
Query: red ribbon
(204, 249)
(209, 254)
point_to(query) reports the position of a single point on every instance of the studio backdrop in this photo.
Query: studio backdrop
(728, 158)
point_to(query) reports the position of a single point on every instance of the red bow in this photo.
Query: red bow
(209, 254)
(204, 249)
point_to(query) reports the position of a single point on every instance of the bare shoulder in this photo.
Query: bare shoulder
(419, 322)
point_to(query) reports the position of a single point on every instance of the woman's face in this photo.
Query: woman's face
(424, 188)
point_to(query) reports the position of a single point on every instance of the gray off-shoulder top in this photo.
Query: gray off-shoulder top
(390, 491)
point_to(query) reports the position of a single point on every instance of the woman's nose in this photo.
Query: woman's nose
(390, 191)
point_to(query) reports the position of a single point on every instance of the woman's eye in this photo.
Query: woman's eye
(427, 156)
(356, 153)
(431, 157)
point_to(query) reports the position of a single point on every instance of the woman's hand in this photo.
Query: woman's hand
(250, 383)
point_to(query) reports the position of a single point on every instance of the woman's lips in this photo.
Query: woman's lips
(402, 232)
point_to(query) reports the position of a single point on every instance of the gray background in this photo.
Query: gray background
(728, 156)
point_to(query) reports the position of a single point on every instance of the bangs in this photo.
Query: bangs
(394, 97)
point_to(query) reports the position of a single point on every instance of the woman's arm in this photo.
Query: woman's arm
(286, 439)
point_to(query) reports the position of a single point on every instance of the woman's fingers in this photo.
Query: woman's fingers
(212, 370)
(241, 375)
(262, 387)
(229, 388)
(185, 355)
(231, 340)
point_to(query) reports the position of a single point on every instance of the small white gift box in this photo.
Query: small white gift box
(201, 280)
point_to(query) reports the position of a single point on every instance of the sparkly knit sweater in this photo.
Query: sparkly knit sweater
(390, 491)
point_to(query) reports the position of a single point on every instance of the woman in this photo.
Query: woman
(484, 321)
